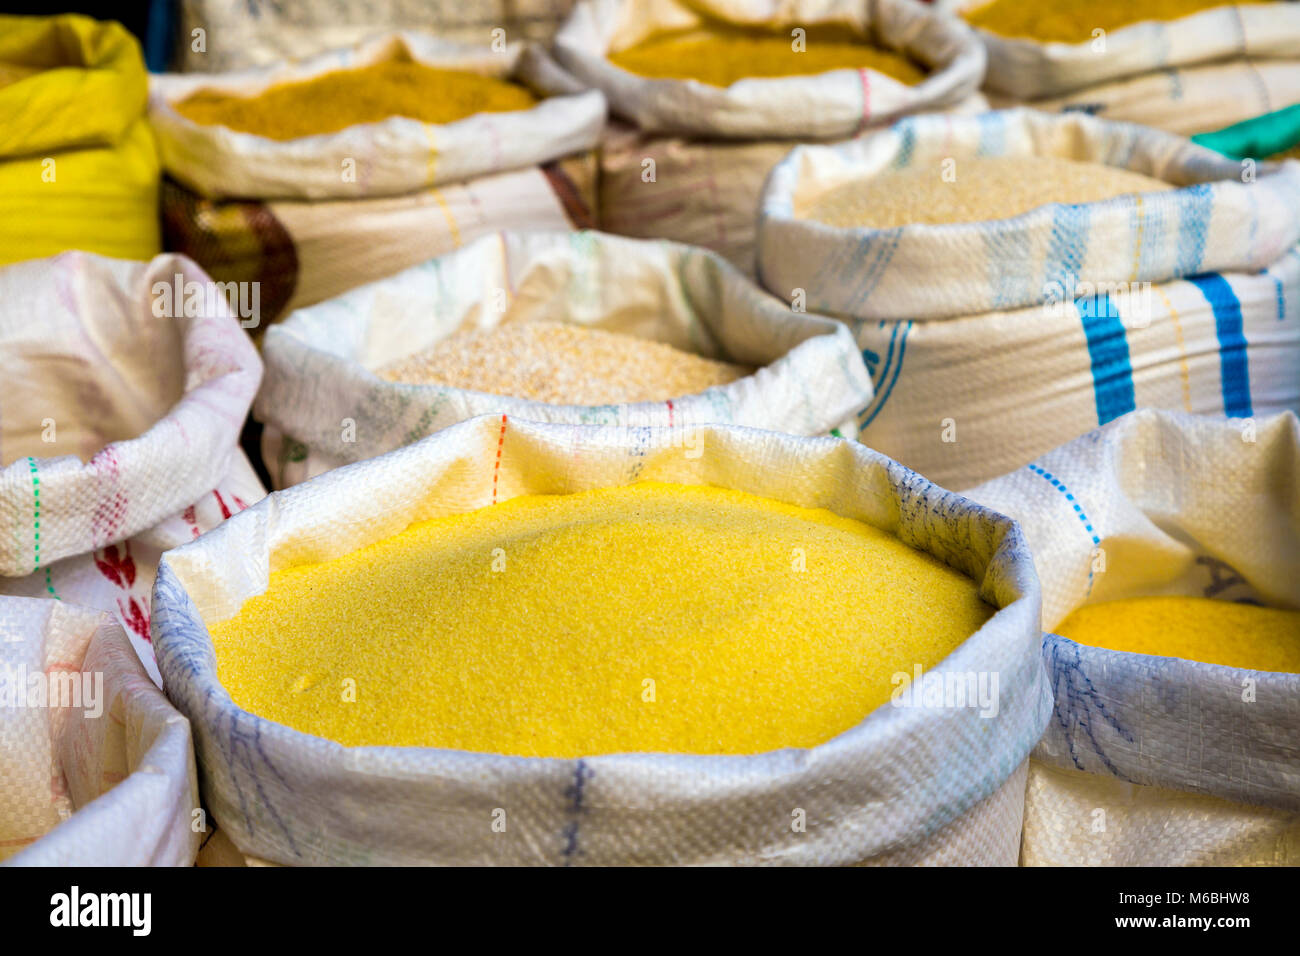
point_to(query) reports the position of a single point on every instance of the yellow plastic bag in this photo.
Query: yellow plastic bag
(78, 163)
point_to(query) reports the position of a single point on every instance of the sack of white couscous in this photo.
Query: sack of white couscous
(561, 327)
(1016, 279)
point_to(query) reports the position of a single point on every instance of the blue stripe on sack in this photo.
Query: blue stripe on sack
(1234, 368)
(877, 248)
(1196, 207)
(1112, 373)
(1009, 275)
(1070, 226)
(878, 380)
(904, 155)
(884, 396)
(993, 134)
(1279, 266)
(1152, 255)
(1059, 485)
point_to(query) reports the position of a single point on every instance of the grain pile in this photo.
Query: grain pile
(334, 101)
(562, 364)
(720, 57)
(983, 188)
(650, 617)
(1195, 629)
(1072, 21)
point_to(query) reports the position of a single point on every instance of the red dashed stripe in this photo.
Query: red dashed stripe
(670, 413)
(496, 471)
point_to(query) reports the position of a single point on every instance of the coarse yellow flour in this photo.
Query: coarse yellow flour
(652, 617)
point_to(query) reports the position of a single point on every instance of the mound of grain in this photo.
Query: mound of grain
(981, 188)
(562, 364)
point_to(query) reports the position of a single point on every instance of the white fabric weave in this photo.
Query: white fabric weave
(100, 771)
(119, 427)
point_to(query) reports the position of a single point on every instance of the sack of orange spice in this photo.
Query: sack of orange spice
(312, 178)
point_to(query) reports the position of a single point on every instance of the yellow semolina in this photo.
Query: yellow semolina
(1195, 629)
(652, 617)
(722, 56)
(979, 188)
(1072, 21)
(341, 98)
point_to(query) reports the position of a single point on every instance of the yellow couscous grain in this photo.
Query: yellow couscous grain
(1072, 21)
(342, 98)
(1196, 629)
(562, 364)
(979, 188)
(652, 617)
(721, 56)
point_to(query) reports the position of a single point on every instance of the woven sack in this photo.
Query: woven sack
(394, 156)
(96, 767)
(1027, 69)
(711, 147)
(1156, 760)
(323, 405)
(304, 252)
(119, 427)
(237, 35)
(993, 342)
(1187, 100)
(908, 784)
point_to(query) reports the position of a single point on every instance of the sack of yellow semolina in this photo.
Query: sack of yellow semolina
(580, 328)
(78, 162)
(97, 767)
(1016, 279)
(1167, 545)
(395, 114)
(119, 426)
(709, 100)
(1184, 66)
(585, 771)
(701, 587)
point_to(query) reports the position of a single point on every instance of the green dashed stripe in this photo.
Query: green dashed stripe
(36, 529)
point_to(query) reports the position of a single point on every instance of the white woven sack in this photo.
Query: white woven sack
(1216, 223)
(238, 34)
(324, 406)
(96, 767)
(831, 105)
(394, 156)
(705, 191)
(1190, 100)
(1201, 762)
(898, 787)
(119, 428)
(1028, 69)
(963, 398)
